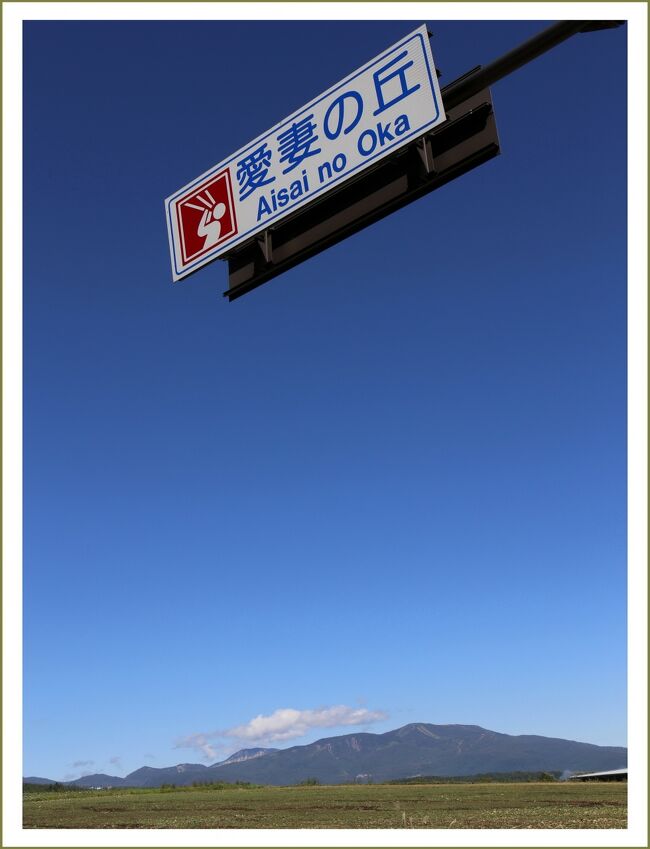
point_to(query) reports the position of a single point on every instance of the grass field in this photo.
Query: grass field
(534, 805)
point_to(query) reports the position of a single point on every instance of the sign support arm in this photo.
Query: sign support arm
(458, 91)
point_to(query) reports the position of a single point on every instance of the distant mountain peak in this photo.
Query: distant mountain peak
(423, 729)
(246, 755)
(97, 779)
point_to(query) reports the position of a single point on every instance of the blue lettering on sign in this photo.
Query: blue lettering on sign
(338, 108)
(252, 171)
(382, 134)
(401, 125)
(295, 143)
(339, 162)
(276, 200)
(367, 147)
(337, 165)
(381, 81)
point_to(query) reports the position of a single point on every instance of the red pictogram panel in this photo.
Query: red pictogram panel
(206, 217)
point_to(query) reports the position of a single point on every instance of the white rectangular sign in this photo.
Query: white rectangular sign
(384, 105)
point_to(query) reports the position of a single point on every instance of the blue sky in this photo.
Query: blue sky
(386, 487)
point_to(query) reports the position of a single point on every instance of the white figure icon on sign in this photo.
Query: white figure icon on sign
(210, 223)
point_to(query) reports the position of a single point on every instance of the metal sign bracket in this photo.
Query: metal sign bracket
(265, 242)
(424, 149)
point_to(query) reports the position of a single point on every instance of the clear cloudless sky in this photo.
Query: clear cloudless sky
(392, 478)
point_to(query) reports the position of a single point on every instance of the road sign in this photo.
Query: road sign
(374, 111)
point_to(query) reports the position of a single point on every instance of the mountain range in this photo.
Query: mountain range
(413, 750)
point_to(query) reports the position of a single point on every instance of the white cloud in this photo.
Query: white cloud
(82, 763)
(288, 723)
(282, 725)
(201, 743)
